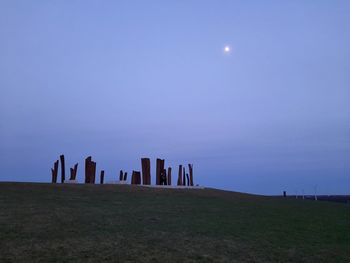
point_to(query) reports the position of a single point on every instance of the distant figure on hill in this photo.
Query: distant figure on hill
(163, 179)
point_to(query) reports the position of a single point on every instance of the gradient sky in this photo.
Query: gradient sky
(121, 80)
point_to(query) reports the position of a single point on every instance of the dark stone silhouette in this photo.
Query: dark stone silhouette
(102, 176)
(136, 177)
(73, 172)
(125, 176)
(93, 172)
(159, 169)
(146, 171)
(121, 175)
(87, 169)
(90, 170)
(188, 180)
(179, 178)
(63, 169)
(190, 168)
(183, 176)
(284, 194)
(169, 175)
(54, 172)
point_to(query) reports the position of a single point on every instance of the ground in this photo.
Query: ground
(122, 223)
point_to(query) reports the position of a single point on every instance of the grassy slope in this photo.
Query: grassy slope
(89, 223)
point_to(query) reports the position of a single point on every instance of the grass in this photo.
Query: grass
(115, 223)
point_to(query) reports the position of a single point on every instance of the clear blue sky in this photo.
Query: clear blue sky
(121, 80)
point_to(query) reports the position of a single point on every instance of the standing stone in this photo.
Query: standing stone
(53, 176)
(121, 175)
(146, 171)
(125, 176)
(159, 169)
(93, 172)
(190, 168)
(63, 169)
(102, 176)
(90, 171)
(284, 194)
(54, 172)
(179, 178)
(73, 172)
(183, 176)
(188, 180)
(136, 177)
(87, 169)
(169, 175)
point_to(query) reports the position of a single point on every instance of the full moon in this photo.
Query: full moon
(227, 49)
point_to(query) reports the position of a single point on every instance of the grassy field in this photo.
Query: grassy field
(95, 223)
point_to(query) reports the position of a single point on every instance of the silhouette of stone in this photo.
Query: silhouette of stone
(188, 180)
(63, 169)
(54, 172)
(90, 170)
(136, 177)
(159, 169)
(183, 176)
(146, 171)
(179, 178)
(169, 175)
(125, 176)
(87, 169)
(121, 175)
(102, 176)
(73, 172)
(93, 172)
(190, 168)
(284, 194)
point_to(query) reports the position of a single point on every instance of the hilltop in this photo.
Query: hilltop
(111, 223)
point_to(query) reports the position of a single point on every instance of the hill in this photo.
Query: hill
(111, 223)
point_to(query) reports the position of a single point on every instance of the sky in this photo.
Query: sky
(121, 80)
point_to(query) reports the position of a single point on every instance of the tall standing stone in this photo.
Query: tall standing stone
(87, 169)
(169, 175)
(93, 172)
(179, 178)
(125, 176)
(159, 169)
(54, 172)
(183, 176)
(190, 168)
(75, 171)
(146, 171)
(63, 169)
(188, 180)
(102, 176)
(90, 171)
(121, 175)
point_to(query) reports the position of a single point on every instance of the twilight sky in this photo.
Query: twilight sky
(121, 80)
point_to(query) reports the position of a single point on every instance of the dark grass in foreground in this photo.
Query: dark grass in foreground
(94, 223)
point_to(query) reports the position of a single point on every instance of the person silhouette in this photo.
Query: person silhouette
(163, 179)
